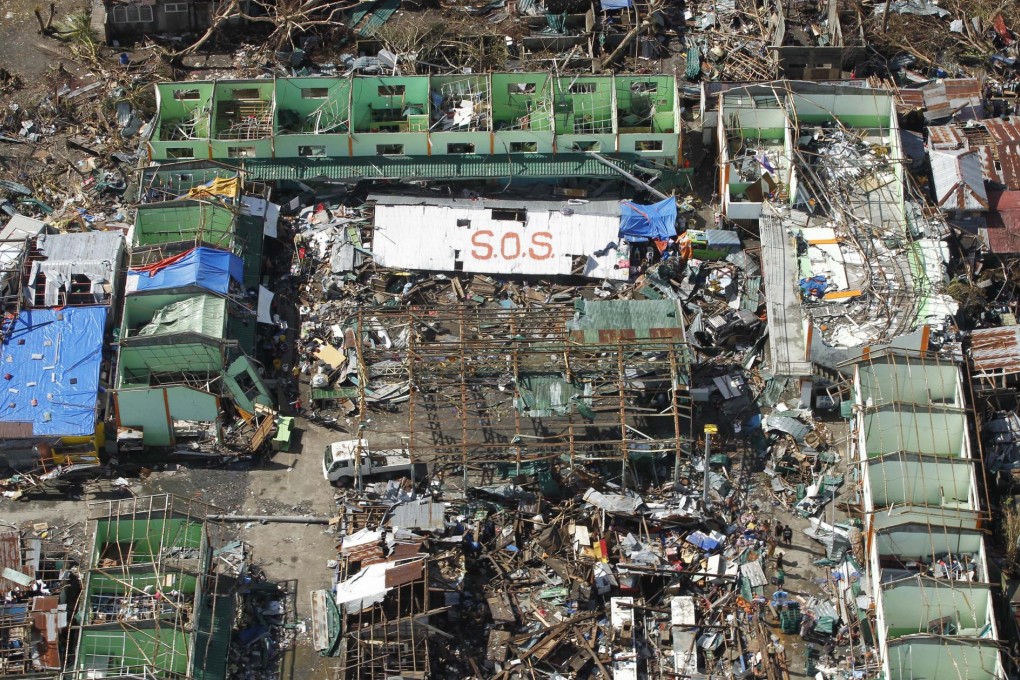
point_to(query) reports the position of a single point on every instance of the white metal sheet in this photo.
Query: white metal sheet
(458, 238)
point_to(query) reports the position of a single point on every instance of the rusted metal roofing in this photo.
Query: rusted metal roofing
(1003, 130)
(995, 351)
(1006, 136)
(946, 137)
(909, 100)
(10, 557)
(962, 89)
(945, 98)
(959, 181)
(398, 575)
(1002, 234)
(16, 430)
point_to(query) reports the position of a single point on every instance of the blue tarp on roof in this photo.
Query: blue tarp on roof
(206, 268)
(53, 358)
(643, 222)
(615, 4)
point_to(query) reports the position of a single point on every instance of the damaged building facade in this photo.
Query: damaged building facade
(319, 126)
(924, 508)
(155, 603)
(817, 169)
(189, 323)
(63, 292)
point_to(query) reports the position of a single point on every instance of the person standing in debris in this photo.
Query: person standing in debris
(787, 535)
(779, 531)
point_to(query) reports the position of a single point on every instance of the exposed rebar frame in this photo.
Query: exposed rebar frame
(467, 370)
(172, 558)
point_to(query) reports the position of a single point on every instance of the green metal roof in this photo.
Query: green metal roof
(250, 231)
(212, 637)
(603, 321)
(529, 166)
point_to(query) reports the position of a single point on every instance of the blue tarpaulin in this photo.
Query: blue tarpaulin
(702, 541)
(615, 4)
(206, 268)
(50, 369)
(814, 286)
(642, 222)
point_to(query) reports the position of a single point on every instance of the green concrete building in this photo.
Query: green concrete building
(189, 322)
(152, 604)
(327, 122)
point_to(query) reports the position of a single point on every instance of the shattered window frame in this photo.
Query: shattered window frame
(389, 149)
(122, 14)
(509, 214)
(583, 88)
(523, 147)
(240, 152)
(315, 93)
(177, 153)
(521, 88)
(189, 95)
(648, 145)
(391, 90)
(460, 148)
(175, 8)
(311, 151)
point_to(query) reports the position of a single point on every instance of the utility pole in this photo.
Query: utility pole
(709, 431)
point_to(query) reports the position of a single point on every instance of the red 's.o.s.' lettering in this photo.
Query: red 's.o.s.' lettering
(543, 241)
(477, 240)
(510, 236)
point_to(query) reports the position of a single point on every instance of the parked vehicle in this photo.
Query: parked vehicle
(338, 462)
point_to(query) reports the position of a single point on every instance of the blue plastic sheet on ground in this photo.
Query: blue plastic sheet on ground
(642, 222)
(702, 541)
(50, 369)
(206, 268)
(814, 286)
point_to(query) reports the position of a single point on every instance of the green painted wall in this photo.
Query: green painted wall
(441, 141)
(192, 356)
(138, 309)
(145, 408)
(187, 403)
(527, 112)
(166, 649)
(369, 94)
(175, 108)
(147, 536)
(302, 108)
(169, 222)
(103, 584)
(228, 95)
(509, 103)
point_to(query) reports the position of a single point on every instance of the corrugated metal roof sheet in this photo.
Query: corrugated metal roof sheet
(959, 181)
(212, 637)
(533, 242)
(1003, 231)
(995, 351)
(946, 137)
(398, 575)
(421, 514)
(10, 557)
(607, 321)
(434, 167)
(945, 97)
